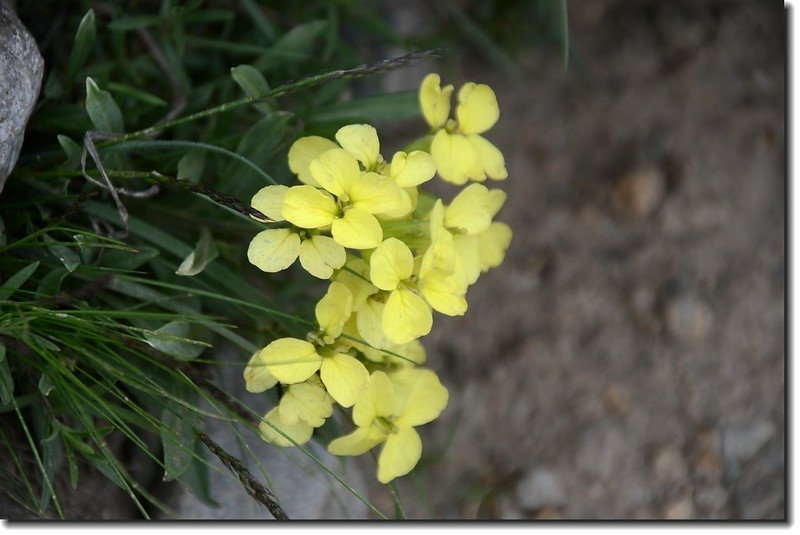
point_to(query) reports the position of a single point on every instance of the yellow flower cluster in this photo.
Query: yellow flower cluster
(393, 255)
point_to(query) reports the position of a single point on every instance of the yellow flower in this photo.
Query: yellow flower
(348, 202)
(303, 407)
(306, 402)
(299, 432)
(386, 411)
(291, 361)
(458, 149)
(405, 315)
(465, 230)
(274, 250)
(257, 378)
(355, 275)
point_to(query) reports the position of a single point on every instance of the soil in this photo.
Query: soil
(627, 360)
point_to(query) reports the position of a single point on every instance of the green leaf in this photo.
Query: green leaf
(301, 37)
(72, 462)
(196, 477)
(134, 22)
(178, 438)
(128, 260)
(253, 83)
(84, 41)
(173, 339)
(73, 152)
(295, 46)
(259, 20)
(68, 257)
(46, 384)
(6, 379)
(102, 110)
(191, 165)
(51, 283)
(374, 109)
(204, 252)
(16, 280)
(51, 459)
(257, 145)
(138, 94)
(3, 237)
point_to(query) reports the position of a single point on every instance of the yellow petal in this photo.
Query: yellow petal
(290, 360)
(299, 432)
(414, 353)
(360, 140)
(309, 207)
(444, 293)
(469, 210)
(355, 275)
(257, 378)
(408, 200)
(412, 169)
(492, 160)
(370, 324)
(434, 101)
(391, 263)
(334, 309)
(377, 400)
(440, 255)
(269, 201)
(406, 316)
(320, 255)
(477, 108)
(436, 221)
(493, 245)
(357, 229)
(375, 194)
(400, 454)
(422, 396)
(468, 250)
(497, 198)
(344, 377)
(274, 250)
(334, 170)
(358, 442)
(303, 151)
(306, 402)
(456, 158)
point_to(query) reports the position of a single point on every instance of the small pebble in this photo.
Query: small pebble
(640, 192)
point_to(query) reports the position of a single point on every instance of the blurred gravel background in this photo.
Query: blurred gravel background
(627, 361)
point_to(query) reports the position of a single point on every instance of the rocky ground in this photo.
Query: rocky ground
(627, 361)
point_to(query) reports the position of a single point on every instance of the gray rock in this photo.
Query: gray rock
(301, 486)
(21, 70)
(540, 488)
(741, 442)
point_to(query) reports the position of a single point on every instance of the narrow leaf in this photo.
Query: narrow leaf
(253, 83)
(178, 439)
(134, 22)
(68, 257)
(84, 41)
(102, 110)
(6, 379)
(16, 280)
(204, 252)
(138, 94)
(73, 152)
(191, 165)
(173, 339)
